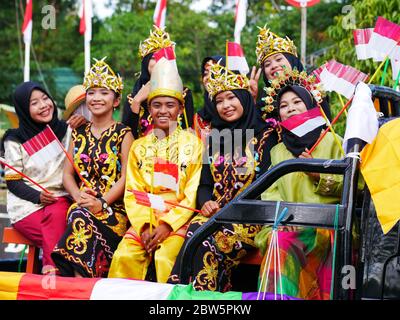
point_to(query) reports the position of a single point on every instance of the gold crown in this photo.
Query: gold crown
(222, 79)
(101, 75)
(158, 39)
(269, 43)
(289, 78)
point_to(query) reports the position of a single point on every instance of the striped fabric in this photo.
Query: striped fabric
(24, 286)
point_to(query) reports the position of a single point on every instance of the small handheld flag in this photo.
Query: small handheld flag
(43, 147)
(303, 123)
(156, 202)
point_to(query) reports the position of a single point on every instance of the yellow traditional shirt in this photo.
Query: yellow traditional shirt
(182, 148)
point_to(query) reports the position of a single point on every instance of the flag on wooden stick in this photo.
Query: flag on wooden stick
(43, 147)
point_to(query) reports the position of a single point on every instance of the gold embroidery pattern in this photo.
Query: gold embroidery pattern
(207, 277)
(77, 241)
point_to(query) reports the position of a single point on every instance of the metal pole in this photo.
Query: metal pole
(303, 31)
(27, 61)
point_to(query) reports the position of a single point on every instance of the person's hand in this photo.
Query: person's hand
(253, 82)
(160, 233)
(47, 198)
(89, 202)
(76, 121)
(89, 191)
(210, 208)
(146, 237)
(305, 155)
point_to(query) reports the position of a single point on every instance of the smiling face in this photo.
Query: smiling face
(164, 111)
(41, 107)
(290, 105)
(228, 106)
(101, 100)
(275, 64)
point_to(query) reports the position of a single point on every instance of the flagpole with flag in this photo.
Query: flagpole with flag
(85, 28)
(27, 32)
(160, 13)
(240, 18)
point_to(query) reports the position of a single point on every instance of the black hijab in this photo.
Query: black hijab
(293, 143)
(206, 112)
(249, 120)
(28, 128)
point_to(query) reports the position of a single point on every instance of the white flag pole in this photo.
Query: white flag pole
(88, 33)
(27, 61)
(303, 31)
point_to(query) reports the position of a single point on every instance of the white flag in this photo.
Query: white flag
(362, 119)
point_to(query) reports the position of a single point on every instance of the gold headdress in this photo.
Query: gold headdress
(165, 81)
(158, 39)
(222, 79)
(289, 78)
(101, 75)
(269, 43)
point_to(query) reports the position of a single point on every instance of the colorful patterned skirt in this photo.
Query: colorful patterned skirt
(87, 246)
(305, 262)
(217, 255)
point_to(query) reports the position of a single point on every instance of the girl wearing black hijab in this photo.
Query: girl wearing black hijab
(202, 119)
(135, 112)
(305, 253)
(237, 152)
(39, 216)
(275, 54)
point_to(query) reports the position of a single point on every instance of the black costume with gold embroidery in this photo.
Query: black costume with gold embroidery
(221, 180)
(90, 240)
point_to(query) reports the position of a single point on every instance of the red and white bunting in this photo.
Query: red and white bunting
(27, 25)
(236, 60)
(240, 18)
(160, 14)
(43, 147)
(386, 37)
(303, 123)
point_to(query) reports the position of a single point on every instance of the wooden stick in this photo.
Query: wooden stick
(2, 160)
(181, 206)
(327, 129)
(86, 183)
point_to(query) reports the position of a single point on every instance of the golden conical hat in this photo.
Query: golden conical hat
(165, 81)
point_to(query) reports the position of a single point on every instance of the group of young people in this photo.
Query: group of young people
(90, 224)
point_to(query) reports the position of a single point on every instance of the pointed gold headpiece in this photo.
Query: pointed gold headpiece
(158, 39)
(268, 43)
(222, 79)
(101, 75)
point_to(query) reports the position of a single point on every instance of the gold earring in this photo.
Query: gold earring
(179, 120)
(149, 119)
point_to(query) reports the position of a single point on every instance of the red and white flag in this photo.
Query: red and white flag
(340, 78)
(364, 50)
(240, 18)
(27, 25)
(386, 37)
(85, 24)
(303, 123)
(160, 13)
(166, 174)
(149, 200)
(43, 147)
(235, 59)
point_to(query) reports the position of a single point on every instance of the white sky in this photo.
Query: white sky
(103, 12)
